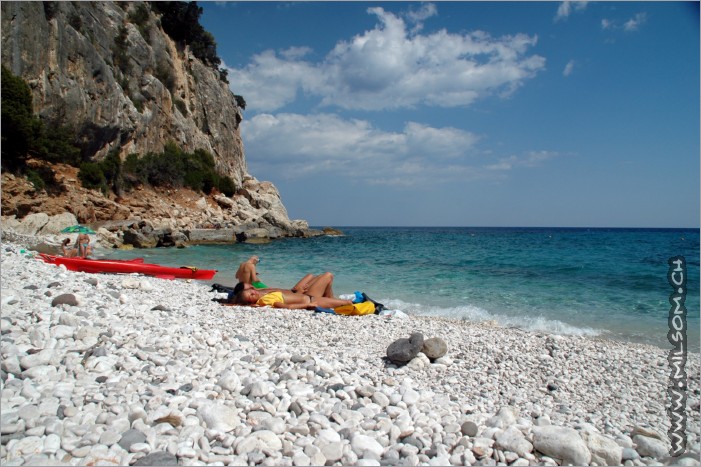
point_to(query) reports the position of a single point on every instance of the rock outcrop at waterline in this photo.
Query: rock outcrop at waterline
(110, 72)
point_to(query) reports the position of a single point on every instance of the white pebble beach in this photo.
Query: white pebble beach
(147, 371)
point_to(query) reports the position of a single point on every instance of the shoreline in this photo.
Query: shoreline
(208, 384)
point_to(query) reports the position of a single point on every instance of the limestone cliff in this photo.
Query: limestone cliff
(109, 71)
(135, 95)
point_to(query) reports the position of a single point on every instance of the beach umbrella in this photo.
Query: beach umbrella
(79, 229)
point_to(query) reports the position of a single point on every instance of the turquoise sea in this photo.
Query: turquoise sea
(598, 282)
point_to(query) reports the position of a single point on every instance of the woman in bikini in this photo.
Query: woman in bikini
(83, 245)
(317, 286)
(287, 299)
(68, 252)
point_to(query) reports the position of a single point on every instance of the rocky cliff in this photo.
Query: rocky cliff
(110, 72)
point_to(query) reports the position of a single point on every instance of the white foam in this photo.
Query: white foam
(477, 314)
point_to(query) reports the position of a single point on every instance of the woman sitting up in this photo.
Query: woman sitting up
(83, 244)
(68, 252)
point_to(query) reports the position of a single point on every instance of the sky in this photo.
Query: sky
(503, 114)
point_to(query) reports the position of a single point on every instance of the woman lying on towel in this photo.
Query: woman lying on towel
(316, 286)
(286, 299)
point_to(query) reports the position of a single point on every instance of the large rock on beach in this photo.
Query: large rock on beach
(512, 439)
(403, 351)
(604, 450)
(651, 447)
(230, 381)
(57, 223)
(561, 443)
(65, 299)
(434, 348)
(158, 458)
(139, 239)
(263, 440)
(363, 446)
(131, 436)
(504, 418)
(218, 416)
(32, 223)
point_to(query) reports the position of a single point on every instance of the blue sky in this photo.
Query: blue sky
(580, 114)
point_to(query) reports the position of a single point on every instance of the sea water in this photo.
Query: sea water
(596, 282)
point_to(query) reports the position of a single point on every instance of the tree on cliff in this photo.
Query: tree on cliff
(18, 122)
(24, 134)
(181, 21)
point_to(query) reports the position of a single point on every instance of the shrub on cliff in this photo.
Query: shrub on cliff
(181, 21)
(103, 175)
(55, 144)
(18, 122)
(176, 168)
(140, 16)
(240, 101)
(24, 134)
(172, 168)
(227, 186)
(120, 51)
(91, 176)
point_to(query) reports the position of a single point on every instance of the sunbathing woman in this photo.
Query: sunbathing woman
(287, 299)
(318, 286)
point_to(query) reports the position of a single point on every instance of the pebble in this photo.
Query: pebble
(152, 372)
(403, 350)
(434, 348)
(469, 428)
(651, 447)
(561, 443)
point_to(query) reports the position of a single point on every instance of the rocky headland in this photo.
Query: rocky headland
(146, 217)
(126, 77)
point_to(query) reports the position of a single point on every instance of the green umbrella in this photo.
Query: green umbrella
(80, 229)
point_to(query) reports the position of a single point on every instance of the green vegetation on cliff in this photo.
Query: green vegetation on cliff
(173, 168)
(181, 21)
(25, 135)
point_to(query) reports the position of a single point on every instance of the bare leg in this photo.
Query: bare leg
(246, 273)
(321, 286)
(326, 302)
(303, 284)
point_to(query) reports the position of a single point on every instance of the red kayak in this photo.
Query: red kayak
(137, 265)
(51, 259)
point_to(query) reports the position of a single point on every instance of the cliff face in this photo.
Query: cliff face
(110, 72)
(120, 84)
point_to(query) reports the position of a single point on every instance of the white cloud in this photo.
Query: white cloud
(568, 68)
(529, 159)
(293, 145)
(426, 11)
(270, 81)
(635, 22)
(389, 67)
(566, 8)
